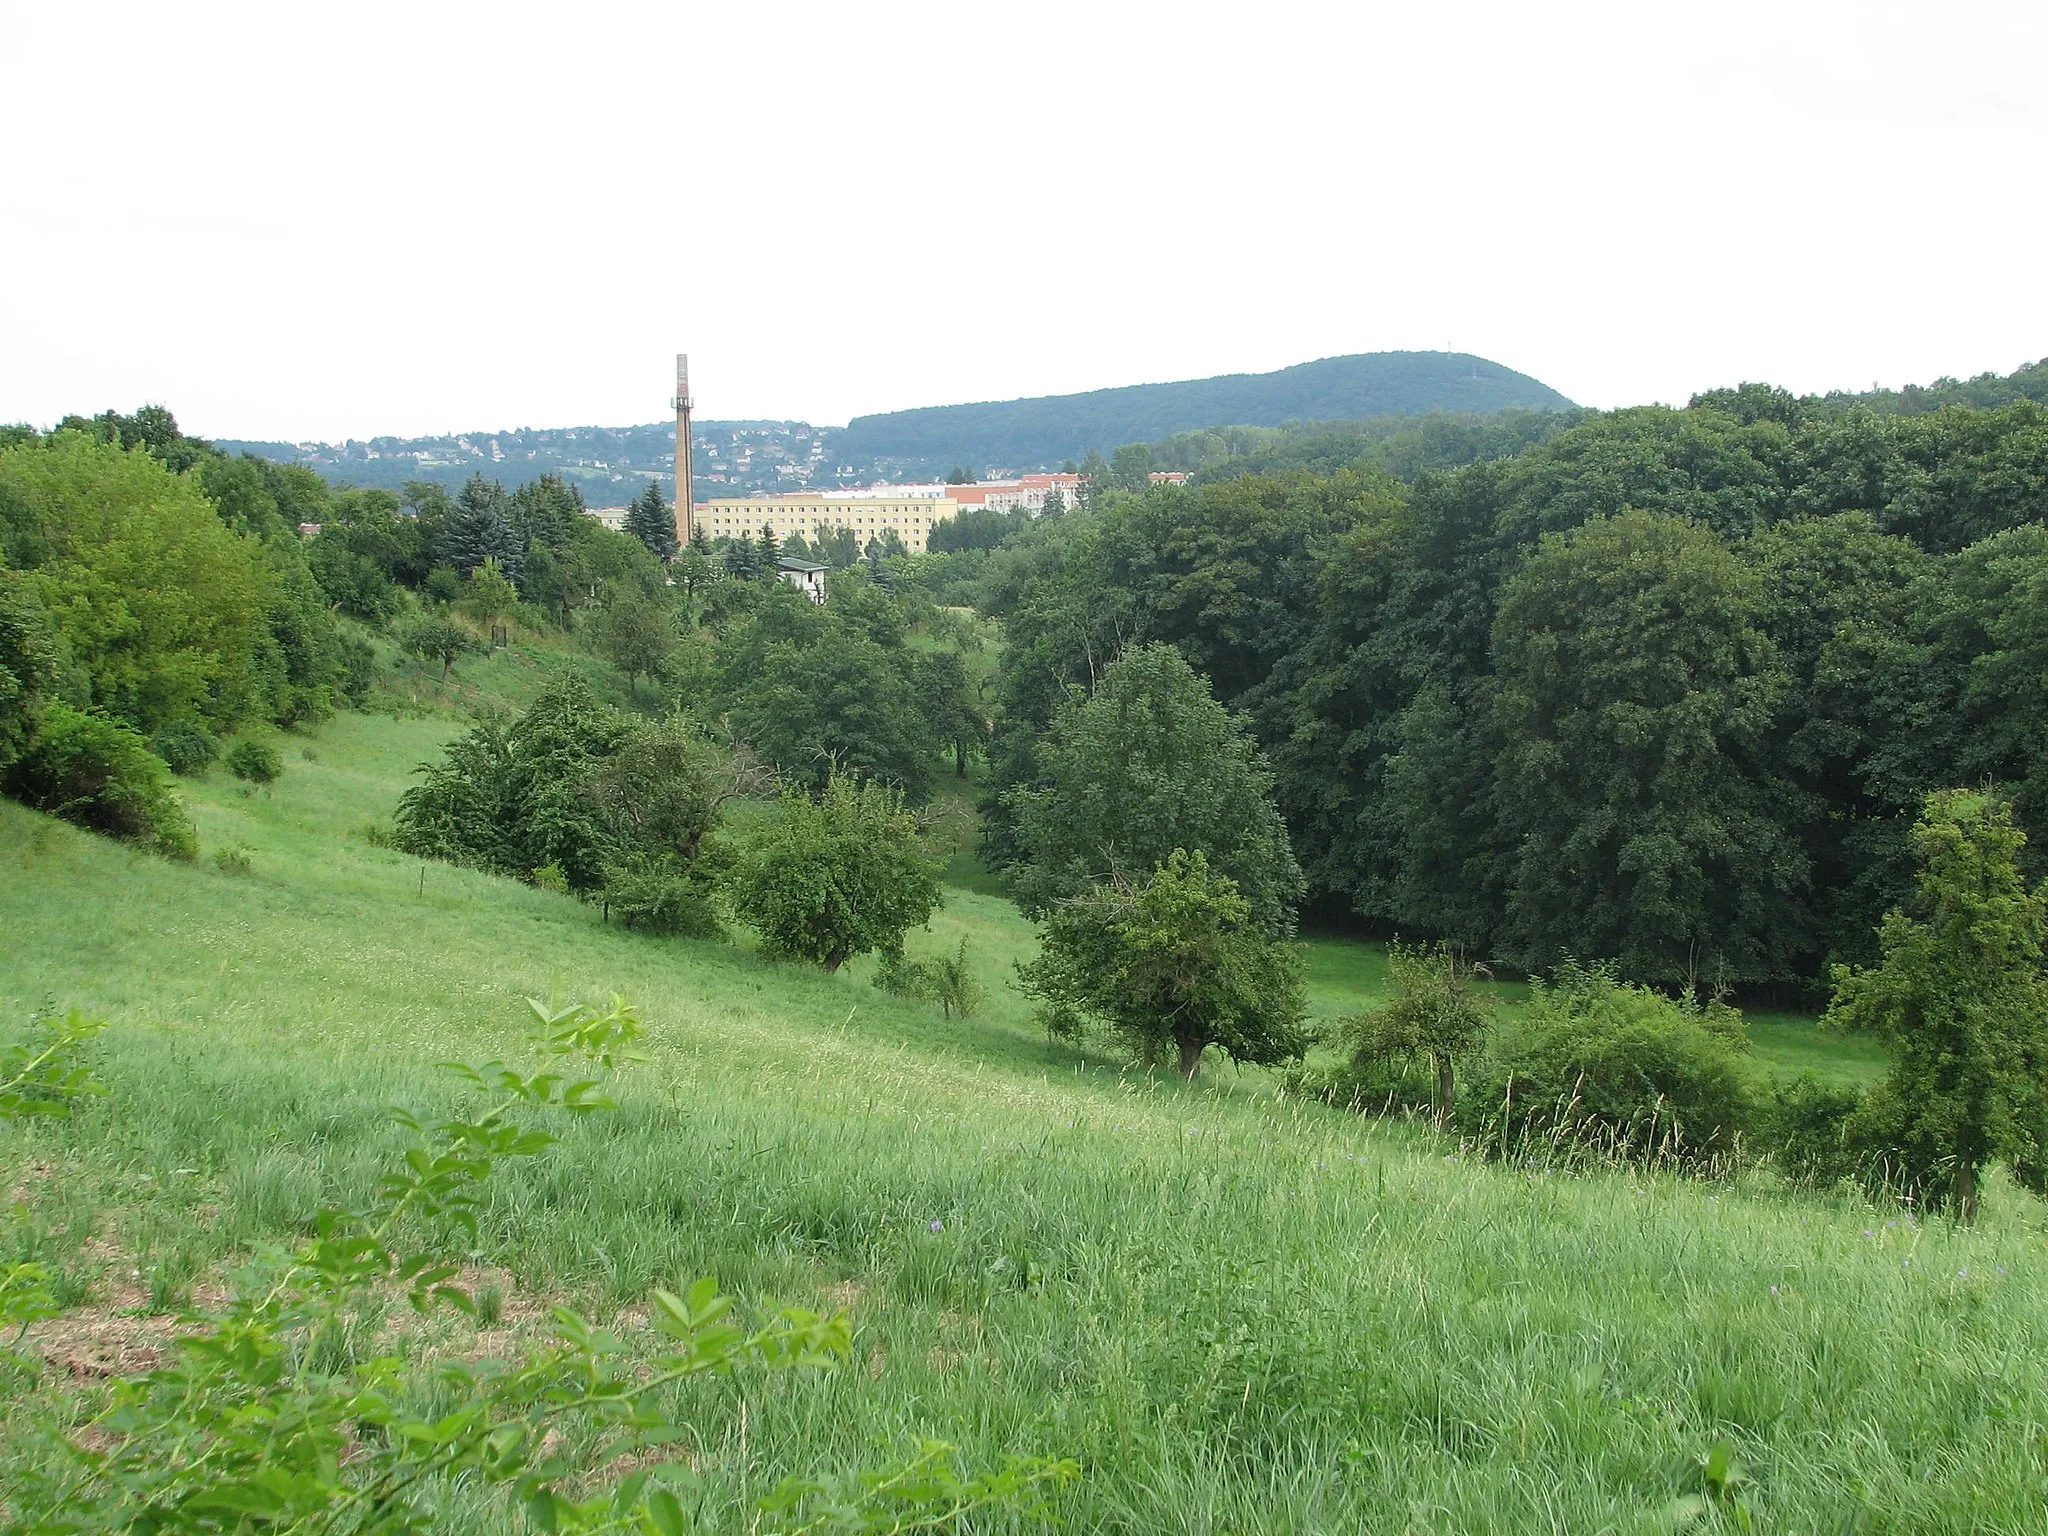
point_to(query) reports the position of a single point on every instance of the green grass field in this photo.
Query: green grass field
(1240, 1313)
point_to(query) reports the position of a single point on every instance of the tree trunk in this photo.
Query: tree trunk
(1445, 1086)
(445, 662)
(1966, 1189)
(834, 960)
(959, 758)
(1191, 1057)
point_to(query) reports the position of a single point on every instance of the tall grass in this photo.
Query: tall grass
(1240, 1312)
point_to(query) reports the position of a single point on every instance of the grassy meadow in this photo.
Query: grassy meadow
(1239, 1312)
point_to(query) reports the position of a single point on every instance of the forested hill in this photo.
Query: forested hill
(1026, 433)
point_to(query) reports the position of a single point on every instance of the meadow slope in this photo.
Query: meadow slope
(1238, 1312)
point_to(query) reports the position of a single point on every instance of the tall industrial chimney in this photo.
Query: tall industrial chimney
(685, 507)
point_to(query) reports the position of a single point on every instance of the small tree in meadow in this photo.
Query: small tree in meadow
(435, 637)
(488, 595)
(827, 879)
(1961, 998)
(1181, 961)
(1436, 1016)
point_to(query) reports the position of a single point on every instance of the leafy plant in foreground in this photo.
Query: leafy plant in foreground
(248, 1431)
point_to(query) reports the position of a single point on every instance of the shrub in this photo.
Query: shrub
(1182, 962)
(187, 746)
(234, 861)
(99, 774)
(662, 893)
(942, 979)
(1807, 1127)
(826, 880)
(1602, 1067)
(358, 661)
(1435, 1019)
(257, 761)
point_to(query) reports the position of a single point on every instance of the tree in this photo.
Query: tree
(478, 527)
(28, 665)
(636, 634)
(1151, 763)
(766, 553)
(1961, 997)
(1130, 468)
(825, 880)
(1634, 690)
(487, 595)
(649, 520)
(435, 637)
(959, 474)
(1435, 1015)
(1181, 959)
(160, 608)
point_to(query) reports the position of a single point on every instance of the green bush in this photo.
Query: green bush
(233, 861)
(943, 979)
(662, 893)
(1807, 1127)
(1600, 1067)
(257, 761)
(187, 746)
(99, 774)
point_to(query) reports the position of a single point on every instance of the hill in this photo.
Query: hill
(1240, 1312)
(1052, 428)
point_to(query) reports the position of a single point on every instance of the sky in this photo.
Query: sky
(323, 221)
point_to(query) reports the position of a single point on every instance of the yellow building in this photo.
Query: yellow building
(869, 516)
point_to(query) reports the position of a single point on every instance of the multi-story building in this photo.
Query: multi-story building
(871, 514)
(1026, 493)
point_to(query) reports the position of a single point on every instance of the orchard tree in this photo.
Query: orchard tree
(825, 880)
(1180, 961)
(435, 637)
(636, 634)
(1150, 764)
(1436, 1015)
(1961, 998)
(649, 520)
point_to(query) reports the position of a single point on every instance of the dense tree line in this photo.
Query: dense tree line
(1667, 688)
(154, 596)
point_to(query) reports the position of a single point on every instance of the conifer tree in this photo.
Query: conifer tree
(479, 527)
(649, 520)
(768, 552)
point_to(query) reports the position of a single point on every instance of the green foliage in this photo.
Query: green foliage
(636, 634)
(1806, 1127)
(1961, 997)
(1181, 961)
(825, 880)
(99, 774)
(1148, 764)
(945, 979)
(488, 596)
(649, 520)
(436, 637)
(186, 746)
(234, 861)
(834, 690)
(42, 1075)
(514, 798)
(259, 762)
(28, 664)
(159, 606)
(1594, 1067)
(1632, 688)
(1436, 1017)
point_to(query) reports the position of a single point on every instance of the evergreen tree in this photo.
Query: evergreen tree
(649, 520)
(767, 552)
(478, 527)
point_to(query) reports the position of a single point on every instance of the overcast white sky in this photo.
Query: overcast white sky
(300, 221)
